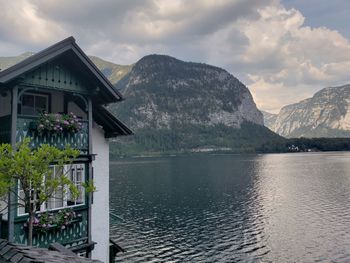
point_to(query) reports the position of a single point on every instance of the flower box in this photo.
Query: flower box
(57, 123)
(49, 221)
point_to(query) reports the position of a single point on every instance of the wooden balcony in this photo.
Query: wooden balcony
(25, 124)
(74, 234)
(79, 140)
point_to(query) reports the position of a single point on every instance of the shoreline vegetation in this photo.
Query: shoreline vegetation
(282, 145)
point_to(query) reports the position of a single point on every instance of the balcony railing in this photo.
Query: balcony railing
(72, 235)
(78, 140)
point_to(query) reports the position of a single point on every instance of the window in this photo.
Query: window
(34, 103)
(62, 198)
(21, 209)
(57, 200)
(77, 176)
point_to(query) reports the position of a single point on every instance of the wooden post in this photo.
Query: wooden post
(90, 170)
(11, 199)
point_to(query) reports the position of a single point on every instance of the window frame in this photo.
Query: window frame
(35, 94)
(44, 206)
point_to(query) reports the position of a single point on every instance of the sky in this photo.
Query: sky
(282, 50)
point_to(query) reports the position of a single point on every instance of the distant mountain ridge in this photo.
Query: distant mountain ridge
(326, 114)
(174, 105)
(112, 71)
(161, 90)
(269, 119)
(6, 62)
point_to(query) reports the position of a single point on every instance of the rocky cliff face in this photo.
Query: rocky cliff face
(269, 119)
(326, 114)
(162, 91)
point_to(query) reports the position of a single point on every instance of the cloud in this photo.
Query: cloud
(20, 25)
(288, 60)
(266, 45)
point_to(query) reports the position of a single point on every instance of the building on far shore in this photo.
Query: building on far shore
(62, 81)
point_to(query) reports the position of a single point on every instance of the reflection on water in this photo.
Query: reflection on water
(250, 208)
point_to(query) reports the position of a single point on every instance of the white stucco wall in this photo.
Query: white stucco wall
(100, 207)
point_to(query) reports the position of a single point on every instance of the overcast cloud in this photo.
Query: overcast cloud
(265, 43)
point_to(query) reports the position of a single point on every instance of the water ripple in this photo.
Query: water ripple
(264, 208)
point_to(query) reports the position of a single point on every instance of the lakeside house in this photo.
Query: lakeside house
(63, 80)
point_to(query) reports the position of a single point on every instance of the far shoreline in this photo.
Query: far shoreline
(184, 154)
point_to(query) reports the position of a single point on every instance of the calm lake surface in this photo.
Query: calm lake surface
(233, 208)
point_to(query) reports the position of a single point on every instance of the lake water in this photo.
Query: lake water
(233, 208)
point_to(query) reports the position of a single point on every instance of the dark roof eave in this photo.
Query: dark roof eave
(112, 126)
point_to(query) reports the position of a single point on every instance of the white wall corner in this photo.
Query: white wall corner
(100, 206)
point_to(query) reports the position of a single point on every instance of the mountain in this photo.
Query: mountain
(6, 62)
(269, 119)
(162, 90)
(113, 72)
(326, 114)
(173, 105)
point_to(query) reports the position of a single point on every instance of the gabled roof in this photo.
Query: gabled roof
(10, 252)
(65, 46)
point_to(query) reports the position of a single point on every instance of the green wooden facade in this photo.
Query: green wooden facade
(55, 75)
(49, 78)
(68, 78)
(74, 233)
